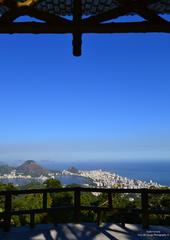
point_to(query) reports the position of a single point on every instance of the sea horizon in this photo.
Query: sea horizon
(157, 171)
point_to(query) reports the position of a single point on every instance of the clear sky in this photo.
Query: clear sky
(112, 103)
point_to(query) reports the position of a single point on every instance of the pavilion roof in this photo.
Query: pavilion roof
(89, 7)
(86, 16)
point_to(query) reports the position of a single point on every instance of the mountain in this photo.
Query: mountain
(73, 170)
(30, 167)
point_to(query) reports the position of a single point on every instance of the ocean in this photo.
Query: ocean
(157, 171)
(65, 180)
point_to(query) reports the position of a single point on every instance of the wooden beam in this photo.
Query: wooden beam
(44, 28)
(106, 16)
(77, 35)
(14, 13)
(141, 8)
(44, 16)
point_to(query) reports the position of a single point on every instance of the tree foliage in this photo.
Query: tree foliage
(66, 199)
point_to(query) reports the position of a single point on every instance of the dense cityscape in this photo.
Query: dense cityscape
(95, 178)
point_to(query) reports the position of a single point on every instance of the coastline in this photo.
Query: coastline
(93, 178)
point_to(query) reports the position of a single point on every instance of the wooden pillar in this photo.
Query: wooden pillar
(77, 35)
(8, 208)
(99, 214)
(44, 200)
(32, 220)
(110, 205)
(145, 213)
(77, 205)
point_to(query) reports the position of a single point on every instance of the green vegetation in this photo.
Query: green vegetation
(66, 199)
(5, 169)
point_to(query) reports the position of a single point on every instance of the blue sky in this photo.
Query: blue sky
(112, 103)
